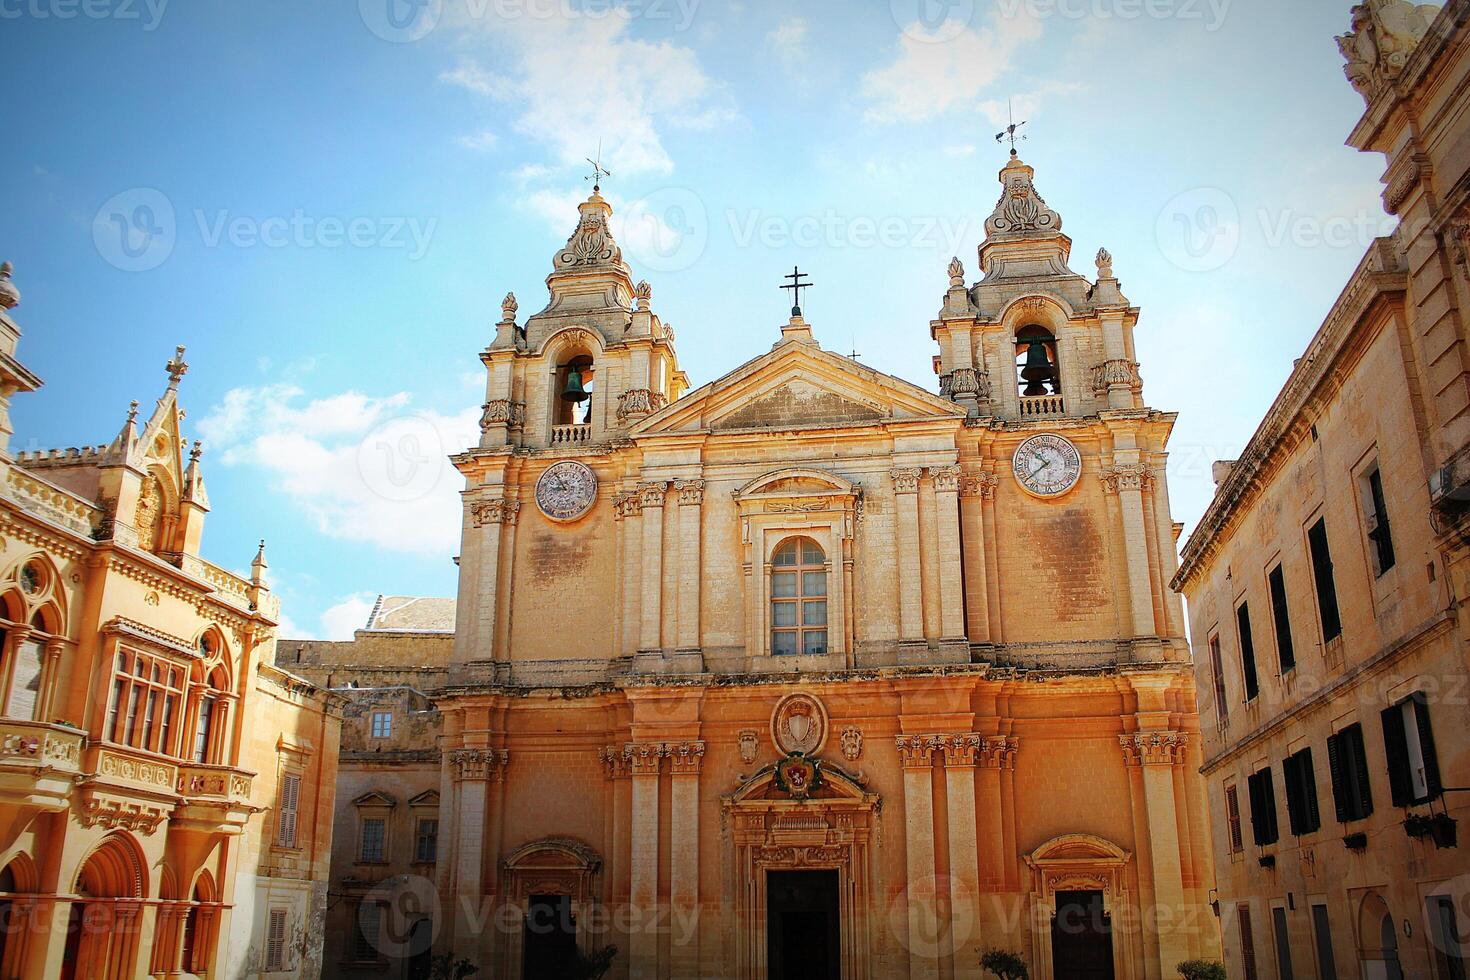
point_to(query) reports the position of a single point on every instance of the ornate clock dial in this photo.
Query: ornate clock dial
(566, 490)
(1047, 465)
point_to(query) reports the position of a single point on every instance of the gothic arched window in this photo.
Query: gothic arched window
(799, 598)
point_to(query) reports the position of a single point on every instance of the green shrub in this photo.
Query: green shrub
(1005, 965)
(1201, 970)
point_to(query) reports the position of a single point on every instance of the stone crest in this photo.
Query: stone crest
(798, 776)
(749, 745)
(566, 491)
(1384, 34)
(799, 724)
(852, 743)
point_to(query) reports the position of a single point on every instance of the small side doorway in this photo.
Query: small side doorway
(803, 940)
(549, 950)
(1081, 938)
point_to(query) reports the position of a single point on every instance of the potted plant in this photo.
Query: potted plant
(1442, 830)
(1005, 965)
(1201, 970)
(446, 967)
(591, 966)
(1355, 842)
(1417, 825)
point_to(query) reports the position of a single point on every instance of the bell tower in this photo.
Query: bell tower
(592, 363)
(1032, 339)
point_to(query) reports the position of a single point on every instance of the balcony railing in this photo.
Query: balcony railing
(562, 435)
(1041, 406)
(38, 763)
(214, 783)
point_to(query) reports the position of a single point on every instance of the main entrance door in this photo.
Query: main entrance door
(550, 946)
(1081, 938)
(802, 926)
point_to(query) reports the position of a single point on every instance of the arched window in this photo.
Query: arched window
(210, 715)
(1036, 362)
(574, 391)
(799, 598)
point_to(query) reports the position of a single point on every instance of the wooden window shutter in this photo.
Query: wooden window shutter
(1426, 745)
(1396, 746)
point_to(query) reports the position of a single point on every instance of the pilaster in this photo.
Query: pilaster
(951, 575)
(910, 584)
(691, 507)
(1129, 480)
(644, 760)
(1156, 753)
(960, 754)
(685, 761)
(652, 497)
(916, 755)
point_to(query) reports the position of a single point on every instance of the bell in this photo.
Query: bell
(574, 392)
(1038, 368)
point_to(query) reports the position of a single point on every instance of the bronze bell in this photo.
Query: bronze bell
(1038, 368)
(574, 392)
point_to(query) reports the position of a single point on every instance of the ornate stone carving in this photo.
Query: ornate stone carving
(9, 295)
(627, 503)
(615, 764)
(113, 813)
(1127, 476)
(503, 411)
(479, 763)
(799, 724)
(643, 292)
(637, 402)
(981, 485)
(1402, 182)
(1457, 237)
(852, 743)
(1116, 372)
(592, 243)
(946, 478)
(968, 381)
(685, 758)
(691, 492)
(1104, 264)
(498, 510)
(508, 308)
(652, 494)
(1020, 209)
(1384, 35)
(916, 751)
(961, 749)
(998, 752)
(906, 479)
(644, 757)
(749, 743)
(956, 272)
(810, 856)
(1154, 748)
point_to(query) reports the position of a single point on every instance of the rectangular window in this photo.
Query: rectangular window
(1281, 616)
(367, 925)
(1376, 517)
(1301, 792)
(382, 724)
(25, 681)
(201, 733)
(426, 841)
(275, 942)
(1263, 808)
(1247, 652)
(286, 810)
(1217, 667)
(1232, 820)
(1326, 584)
(1283, 943)
(1247, 943)
(370, 849)
(146, 694)
(1322, 936)
(1449, 954)
(1408, 740)
(1351, 792)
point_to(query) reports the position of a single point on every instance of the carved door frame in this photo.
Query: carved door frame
(1078, 862)
(552, 866)
(833, 831)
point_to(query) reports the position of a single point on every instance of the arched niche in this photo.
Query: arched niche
(110, 886)
(1070, 863)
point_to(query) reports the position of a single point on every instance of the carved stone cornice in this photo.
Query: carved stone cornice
(488, 764)
(685, 758)
(113, 813)
(1154, 748)
(917, 751)
(906, 479)
(962, 748)
(503, 411)
(497, 510)
(616, 764)
(652, 494)
(1127, 476)
(946, 478)
(644, 757)
(691, 492)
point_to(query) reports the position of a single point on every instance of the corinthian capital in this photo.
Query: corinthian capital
(1154, 748)
(906, 479)
(916, 751)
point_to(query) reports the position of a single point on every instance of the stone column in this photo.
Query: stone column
(685, 761)
(643, 758)
(1157, 753)
(951, 576)
(651, 635)
(1128, 481)
(906, 546)
(628, 508)
(691, 499)
(916, 755)
(472, 769)
(960, 751)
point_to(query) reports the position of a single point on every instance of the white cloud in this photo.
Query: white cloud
(339, 622)
(481, 142)
(360, 468)
(1024, 105)
(931, 76)
(788, 40)
(573, 78)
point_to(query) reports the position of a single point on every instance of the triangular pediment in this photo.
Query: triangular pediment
(798, 386)
(429, 797)
(375, 799)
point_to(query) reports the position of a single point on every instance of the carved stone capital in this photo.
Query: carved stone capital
(998, 752)
(685, 758)
(691, 492)
(644, 757)
(962, 748)
(479, 763)
(503, 411)
(1127, 476)
(916, 751)
(969, 381)
(615, 764)
(981, 485)
(499, 510)
(946, 478)
(627, 503)
(1154, 748)
(906, 479)
(1119, 373)
(652, 494)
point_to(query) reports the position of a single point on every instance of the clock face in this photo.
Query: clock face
(1047, 465)
(566, 490)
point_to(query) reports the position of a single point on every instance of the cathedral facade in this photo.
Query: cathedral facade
(807, 671)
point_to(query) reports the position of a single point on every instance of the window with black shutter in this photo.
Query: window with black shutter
(1285, 652)
(1232, 819)
(1247, 652)
(1326, 585)
(1351, 791)
(1262, 791)
(1379, 534)
(1301, 793)
(1222, 706)
(1247, 943)
(1408, 741)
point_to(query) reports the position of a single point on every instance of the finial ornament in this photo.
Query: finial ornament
(9, 295)
(176, 368)
(1011, 132)
(508, 307)
(956, 272)
(196, 452)
(133, 411)
(1104, 264)
(796, 286)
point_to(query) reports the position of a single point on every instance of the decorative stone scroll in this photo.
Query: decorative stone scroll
(998, 752)
(638, 402)
(479, 763)
(981, 485)
(906, 479)
(917, 751)
(652, 494)
(1154, 748)
(961, 749)
(1115, 372)
(691, 492)
(644, 757)
(946, 478)
(592, 243)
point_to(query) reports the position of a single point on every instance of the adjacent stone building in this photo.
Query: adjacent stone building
(1326, 580)
(808, 671)
(166, 791)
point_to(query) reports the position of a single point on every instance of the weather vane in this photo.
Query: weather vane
(597, 170)
(796, 286)
(1009, 133)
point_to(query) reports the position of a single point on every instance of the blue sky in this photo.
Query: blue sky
(326, 202)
